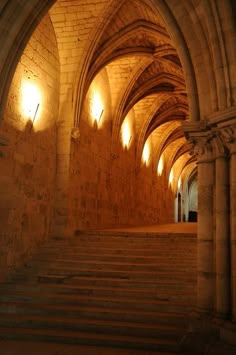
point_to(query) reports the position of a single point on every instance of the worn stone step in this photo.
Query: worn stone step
(99, 270)
(138, 292)
(94, 301)
(76, 337)
(127, 236)
(107, 281)
(96, 289)
(121, 314)
(141, 246)
(93, 325)
(165, 259)
(93, 292)
(110, 265)
(99, 252)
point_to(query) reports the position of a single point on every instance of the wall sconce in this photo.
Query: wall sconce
(179, 182)
(160, 166)
(171, 177)
(97, 109)
(126, 134)
(146, 153)
(31, 99)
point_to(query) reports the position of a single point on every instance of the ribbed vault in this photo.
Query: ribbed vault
(146, 78)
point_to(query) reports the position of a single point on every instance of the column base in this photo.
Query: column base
(228, 332)
(206, 331)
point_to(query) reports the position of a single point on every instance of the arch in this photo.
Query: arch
(18, 32)
(30, 13)
(80, 81)
(173, 28)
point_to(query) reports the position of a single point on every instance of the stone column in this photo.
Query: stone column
(205, 250)
(229, 134)
(233, 226)
(222, 234)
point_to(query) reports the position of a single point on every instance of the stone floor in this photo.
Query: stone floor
(162, 228)
(33, 348)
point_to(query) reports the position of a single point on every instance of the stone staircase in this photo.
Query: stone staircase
(127, 290)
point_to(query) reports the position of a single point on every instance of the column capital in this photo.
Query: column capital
(203, 149)
(224, 122)
(200, 137)
(220, 147)
(229, 135)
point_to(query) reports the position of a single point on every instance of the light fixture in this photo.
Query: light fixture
(126, 134)
(146, 153)
(179, 182)
(31, 99)
(96, 107)
(160, 166)
(171, 177)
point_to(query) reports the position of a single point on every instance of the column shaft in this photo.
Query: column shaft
(205, 277)
(222, 238)
(233, 230)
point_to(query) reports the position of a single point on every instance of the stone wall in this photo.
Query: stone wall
(28, 164)
(108, 190)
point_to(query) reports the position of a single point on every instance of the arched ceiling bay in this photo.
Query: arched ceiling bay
(145, 77)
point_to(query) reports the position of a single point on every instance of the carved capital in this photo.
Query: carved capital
(203, 148)
(224, 121)
(200, 138)
(219, 145)
(229, 135)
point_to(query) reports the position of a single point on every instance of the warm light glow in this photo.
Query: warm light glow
(171, 177)
(31, 100)
(179, 183)
(146, 153)
(160, 166)
(126, 134)
(96, 107)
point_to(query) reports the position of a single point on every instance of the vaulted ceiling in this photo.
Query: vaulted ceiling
(145, 75)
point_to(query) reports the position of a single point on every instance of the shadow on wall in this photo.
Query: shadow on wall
(26, 188)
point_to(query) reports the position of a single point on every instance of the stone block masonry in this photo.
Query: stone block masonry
(28, 166)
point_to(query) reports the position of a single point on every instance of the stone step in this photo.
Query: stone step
(184, 297)
(91, 280)
(169, 331)
(110, 265)
(115, 271)
(165, 259)
(94, 301)
(120, 314)
(118, 290)
(76, 337)
(91, 250)
(128, 236)
(138, 292)
(141, 245)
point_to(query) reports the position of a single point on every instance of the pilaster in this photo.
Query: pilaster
(222, 230)
(230, 136)
(205, 278)
(201, 137)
